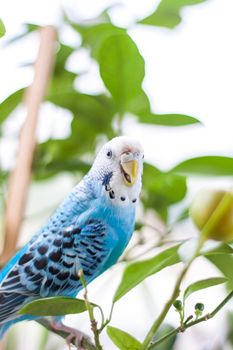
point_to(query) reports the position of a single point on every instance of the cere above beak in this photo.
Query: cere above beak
(129, 168)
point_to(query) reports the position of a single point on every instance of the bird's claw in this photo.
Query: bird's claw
(77, 337)
(74, 335)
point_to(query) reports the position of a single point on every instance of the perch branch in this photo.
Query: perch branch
(85, 343)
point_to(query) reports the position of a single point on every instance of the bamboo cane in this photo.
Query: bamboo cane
(20, 177)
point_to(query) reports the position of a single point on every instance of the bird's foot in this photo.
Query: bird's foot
(75, 337)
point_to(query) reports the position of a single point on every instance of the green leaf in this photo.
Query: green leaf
(54, 306)
(93, 117)
(167, 344)
(62, 55)
(57, 156)
(123, 340)
(167, 119)
(160, 190)
(202, 284)
(136, 272)
(140, 104)
(122, 69)
(166, 187)
(45, 169)
(10, 103)
(2, 28)
(167, 14)
(222, 248)
(97, 109)
(230, 327)
(62, 80)
(209, 166)
(93, 36)
(224, 263)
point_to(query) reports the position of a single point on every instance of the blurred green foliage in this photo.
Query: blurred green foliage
(2, 28)
(168, 344)
(167, 14)
(122, 70)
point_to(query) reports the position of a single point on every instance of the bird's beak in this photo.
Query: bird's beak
(129, 168)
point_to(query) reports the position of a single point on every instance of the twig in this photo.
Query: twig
(20, 178)
(90, 311)
(188, 324)
(189, 318)
(149, 249)
(154, 228)
(108, 320)
(85, 343)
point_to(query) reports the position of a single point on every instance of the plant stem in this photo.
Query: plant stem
(211, 223)
(108, 320)
(190, 324)
(102, 316)
(90, 311)
(119, 118)
(165, 310)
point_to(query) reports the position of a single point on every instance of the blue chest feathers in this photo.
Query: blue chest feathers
(119, 223)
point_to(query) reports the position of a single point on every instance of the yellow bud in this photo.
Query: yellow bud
(203, 206)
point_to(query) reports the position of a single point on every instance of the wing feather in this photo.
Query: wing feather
(50, 265)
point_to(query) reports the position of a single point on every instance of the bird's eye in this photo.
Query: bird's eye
(109, 154)
(143, 156)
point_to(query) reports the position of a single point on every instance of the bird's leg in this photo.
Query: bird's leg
(73, 334)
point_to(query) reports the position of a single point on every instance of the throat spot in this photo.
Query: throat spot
(112, 194)
(119, 197)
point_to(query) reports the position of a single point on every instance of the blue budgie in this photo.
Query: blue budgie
(88, 231)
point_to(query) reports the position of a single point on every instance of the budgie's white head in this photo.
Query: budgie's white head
(119, 166)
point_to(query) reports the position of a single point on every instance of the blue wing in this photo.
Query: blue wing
(50, 264)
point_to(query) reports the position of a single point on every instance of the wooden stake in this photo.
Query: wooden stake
(20, 177)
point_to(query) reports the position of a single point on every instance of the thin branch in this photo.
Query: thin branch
(154, 228)
(189, 318)
(102, 316)
(108, 320)
(125, 257)
(90, 311)
(188, 324)
(85, 343)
